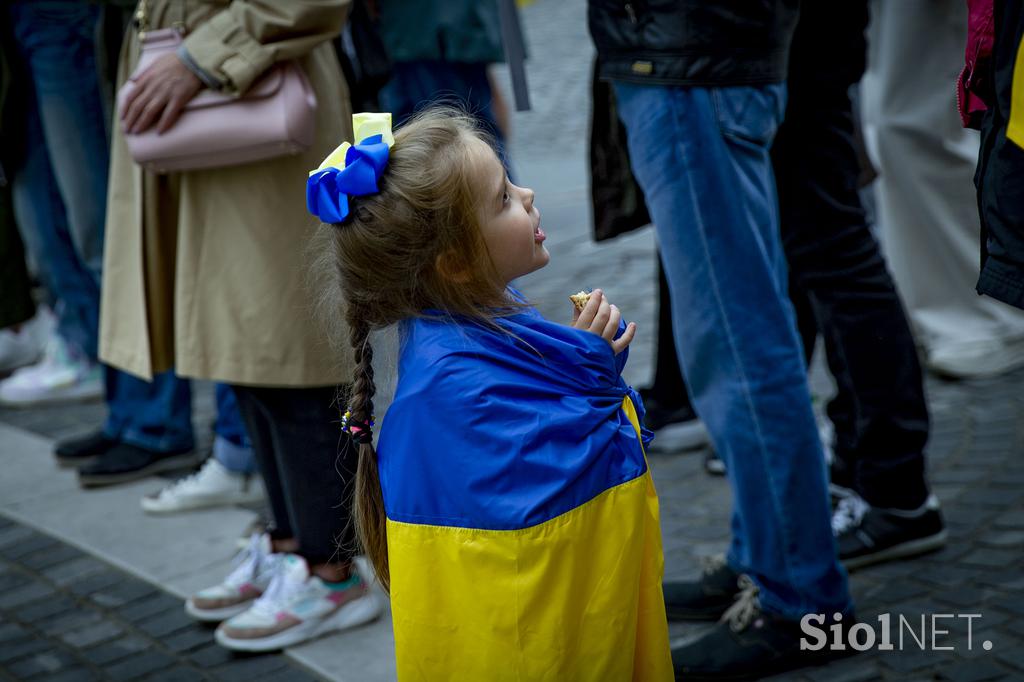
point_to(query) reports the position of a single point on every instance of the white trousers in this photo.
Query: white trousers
(927, 207)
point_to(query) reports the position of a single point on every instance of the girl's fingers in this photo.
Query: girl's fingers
(614, 318)
(601, 319)
(623, 341)
(586, 317)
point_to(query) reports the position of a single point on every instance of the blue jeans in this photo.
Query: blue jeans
(701, 157)
(60, 185)
(156, 416)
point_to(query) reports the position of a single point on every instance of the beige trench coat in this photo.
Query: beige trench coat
(206, 271)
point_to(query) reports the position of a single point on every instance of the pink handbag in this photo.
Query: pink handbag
(276, 116)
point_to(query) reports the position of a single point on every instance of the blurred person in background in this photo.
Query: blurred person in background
(440, 50)
(700, 122)
(927, 209)
(58, 183)
(999, 79)
(21, 342)
(58, 112)
(205, 272)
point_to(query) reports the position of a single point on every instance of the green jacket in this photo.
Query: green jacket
(449, 30)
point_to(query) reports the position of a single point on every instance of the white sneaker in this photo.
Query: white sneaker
(297, 607)
(254, 569)
(25, 346)
(212, 486)
(61, 376)
(977, 359)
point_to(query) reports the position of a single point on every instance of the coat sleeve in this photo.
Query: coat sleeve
(243, 40)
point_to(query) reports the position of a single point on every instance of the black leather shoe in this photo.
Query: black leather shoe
(706, 598)
(749, 644)
(124, 462)
(76, 452)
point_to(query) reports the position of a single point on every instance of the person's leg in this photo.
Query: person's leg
(227, 477)
(701, 157)
(16, 304)
(258, 425)
(927, 210)
(56, 40)
(148, 430)
(308, 465)
(257, 565)
(155, 416)
(880, 414)
(312, 464)
(231, 445)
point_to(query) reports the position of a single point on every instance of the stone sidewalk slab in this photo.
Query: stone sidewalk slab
(178, 554)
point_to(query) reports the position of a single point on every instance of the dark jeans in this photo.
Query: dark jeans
(307, 464)
(838, 276)
(879, 413)
(16, 304)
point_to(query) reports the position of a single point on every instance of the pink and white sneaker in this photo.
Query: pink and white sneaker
(298, 607)
(253, 573)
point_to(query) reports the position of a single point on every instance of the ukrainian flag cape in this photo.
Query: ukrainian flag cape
(522, 525)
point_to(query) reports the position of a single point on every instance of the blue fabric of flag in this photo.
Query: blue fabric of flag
(506, 429)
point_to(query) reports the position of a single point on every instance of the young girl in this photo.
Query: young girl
(508, 506)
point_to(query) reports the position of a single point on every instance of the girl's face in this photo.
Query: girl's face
(508, 219)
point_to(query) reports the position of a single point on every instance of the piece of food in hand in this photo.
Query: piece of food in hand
(580, 300)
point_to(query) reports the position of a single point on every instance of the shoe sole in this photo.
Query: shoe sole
(348, 616)
(163, 464)
(715, 467)
(75, 462)
(900, 551)
(680, 438)
(199, 504)
(215, 615)
(814, 660)
(51, 401)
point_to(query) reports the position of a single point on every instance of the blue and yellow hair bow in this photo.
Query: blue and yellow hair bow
(350, 170)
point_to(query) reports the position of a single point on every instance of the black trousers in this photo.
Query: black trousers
(839, 283)
(307, 465)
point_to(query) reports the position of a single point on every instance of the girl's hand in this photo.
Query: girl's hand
(160, 93)
(602, 318)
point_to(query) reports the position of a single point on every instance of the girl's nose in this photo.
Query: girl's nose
(528, 196)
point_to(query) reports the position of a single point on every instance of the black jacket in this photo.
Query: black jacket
(1000, 175)
(693, 42)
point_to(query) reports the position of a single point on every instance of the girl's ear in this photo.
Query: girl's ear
(453, 267)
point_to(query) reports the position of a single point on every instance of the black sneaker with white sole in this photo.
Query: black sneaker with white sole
(706, 598)
(868, 535)
(749, 643)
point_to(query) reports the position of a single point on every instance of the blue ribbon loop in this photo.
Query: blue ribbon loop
(328, 191)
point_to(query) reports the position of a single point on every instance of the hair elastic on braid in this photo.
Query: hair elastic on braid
(360, 431)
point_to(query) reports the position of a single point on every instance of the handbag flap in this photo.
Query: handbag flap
(167, 40)
(268, 85)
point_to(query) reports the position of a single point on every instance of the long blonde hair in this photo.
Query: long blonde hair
(414, 247)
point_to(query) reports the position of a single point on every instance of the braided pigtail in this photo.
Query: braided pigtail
(369, 515)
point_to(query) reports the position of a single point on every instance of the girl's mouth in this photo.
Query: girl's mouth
(538, 235)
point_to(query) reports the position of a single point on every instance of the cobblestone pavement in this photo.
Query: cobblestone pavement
(66, 615)
(57, 622)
